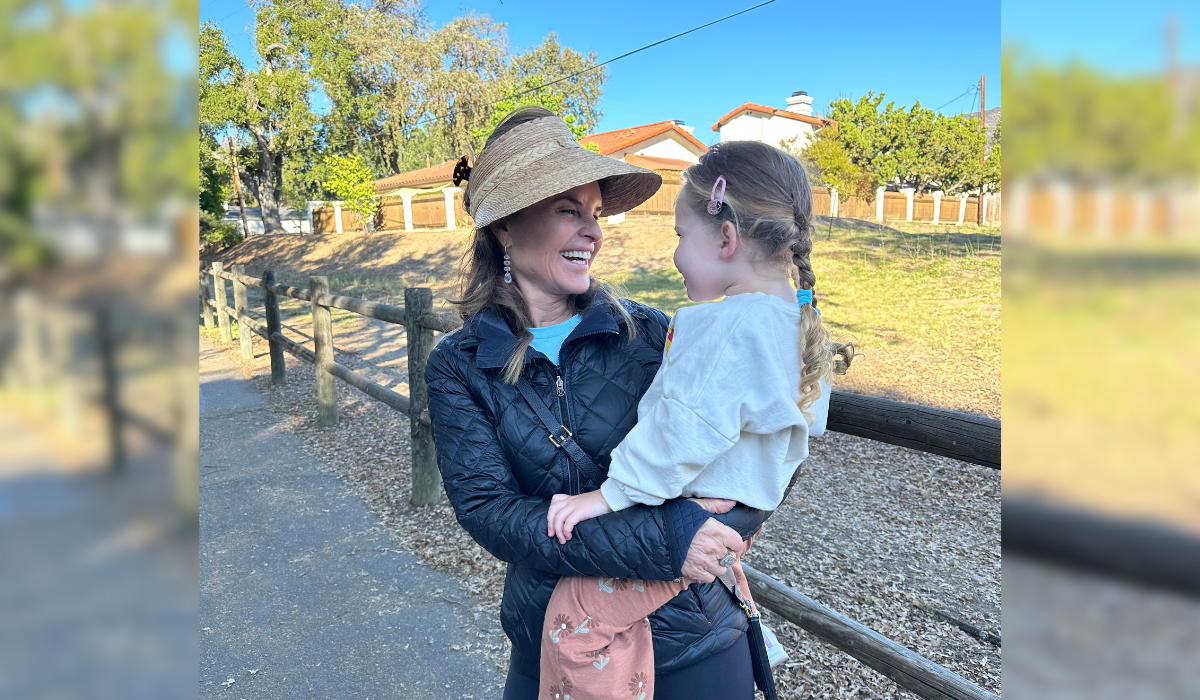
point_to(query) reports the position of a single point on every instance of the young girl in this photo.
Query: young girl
(743, 384)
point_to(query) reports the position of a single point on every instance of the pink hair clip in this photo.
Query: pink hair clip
(714, 202)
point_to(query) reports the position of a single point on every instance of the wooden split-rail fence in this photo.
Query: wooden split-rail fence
(960, 436)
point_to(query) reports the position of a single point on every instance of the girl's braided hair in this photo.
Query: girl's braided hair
(769, 201)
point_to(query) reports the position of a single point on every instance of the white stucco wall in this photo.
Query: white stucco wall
(754, 126)
(668, 145)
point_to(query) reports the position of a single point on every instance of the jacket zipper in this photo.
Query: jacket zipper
(560, 388)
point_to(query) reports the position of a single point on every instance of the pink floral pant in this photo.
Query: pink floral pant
(597, 644)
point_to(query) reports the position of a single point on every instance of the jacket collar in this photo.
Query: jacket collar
(496, 342)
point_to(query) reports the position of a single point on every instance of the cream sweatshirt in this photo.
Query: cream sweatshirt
(721, 417)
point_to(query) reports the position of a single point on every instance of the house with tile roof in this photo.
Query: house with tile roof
(755, 122)
(666, 145)
(428, 179)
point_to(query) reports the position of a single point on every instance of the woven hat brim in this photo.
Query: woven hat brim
(625, 186)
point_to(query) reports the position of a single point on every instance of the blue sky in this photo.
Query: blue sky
(1118, 37)
(932, 52)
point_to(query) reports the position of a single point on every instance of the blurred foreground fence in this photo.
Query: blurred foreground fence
(958, 435)
(1104, 211)
(96, 365)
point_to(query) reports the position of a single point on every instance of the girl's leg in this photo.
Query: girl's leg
(726, 675)
(597, 643)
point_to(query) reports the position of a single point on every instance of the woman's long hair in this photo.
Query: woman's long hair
(482, 280)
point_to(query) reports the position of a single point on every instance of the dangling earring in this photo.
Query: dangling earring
(507, 268)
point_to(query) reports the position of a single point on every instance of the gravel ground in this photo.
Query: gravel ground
(870, 530)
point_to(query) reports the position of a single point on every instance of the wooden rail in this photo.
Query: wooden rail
(965, 437)
(910, 670)
(961, 436)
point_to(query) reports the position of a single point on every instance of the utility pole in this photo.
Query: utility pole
(237, 185)
(982, 125)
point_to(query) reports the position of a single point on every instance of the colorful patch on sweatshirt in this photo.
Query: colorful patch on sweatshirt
(670, 337)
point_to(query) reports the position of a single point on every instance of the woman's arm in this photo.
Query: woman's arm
(635, 543)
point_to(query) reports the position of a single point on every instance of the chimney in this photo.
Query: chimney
(679, 123)
(800, 103)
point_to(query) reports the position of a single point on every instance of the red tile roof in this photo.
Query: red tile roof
(610, 142)
(434, 174)
(751, 107)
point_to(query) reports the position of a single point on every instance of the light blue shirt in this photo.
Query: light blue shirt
(549, 340)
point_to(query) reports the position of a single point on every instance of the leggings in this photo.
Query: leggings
(725, 675)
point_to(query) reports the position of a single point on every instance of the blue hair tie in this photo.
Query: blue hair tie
(804, 296)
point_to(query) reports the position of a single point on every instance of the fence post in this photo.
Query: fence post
(879, 203)
(337, 216)
(274, 325)
(205, 295)
(109, 380)
(32, 353)
(65, 364)
(242, 308)
(449, 194)
(408, 215)
(327, 413)
(425, 480)
(222, 302)
(937, 206)
(962, 207)
(908, 193)
(186, 443)
(833, 202)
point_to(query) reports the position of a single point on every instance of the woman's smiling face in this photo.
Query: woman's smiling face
(552, 243)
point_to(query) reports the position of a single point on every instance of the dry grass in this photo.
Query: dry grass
(922, 308)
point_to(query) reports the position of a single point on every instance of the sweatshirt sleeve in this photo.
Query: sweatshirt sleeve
(714, 392)
(820, 409)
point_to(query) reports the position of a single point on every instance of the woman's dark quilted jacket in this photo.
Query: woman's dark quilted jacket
(500, 470)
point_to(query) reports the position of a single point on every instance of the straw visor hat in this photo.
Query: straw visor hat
(539, 159)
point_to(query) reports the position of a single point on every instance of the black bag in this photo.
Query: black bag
(759, 663)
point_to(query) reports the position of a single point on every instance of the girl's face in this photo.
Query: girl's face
(698, 256)
(552, 243)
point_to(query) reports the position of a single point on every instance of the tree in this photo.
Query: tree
(827, 161)
(214, 184)
(909, 146)
(578, 94)
(414, 91)
(420, 92)
(353, 182)
(864, 136)
(295, 42)
(532, 91)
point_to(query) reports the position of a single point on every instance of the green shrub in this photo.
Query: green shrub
(217, 235)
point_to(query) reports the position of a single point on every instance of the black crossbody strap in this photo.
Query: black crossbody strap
(759, 661)
(559, 435)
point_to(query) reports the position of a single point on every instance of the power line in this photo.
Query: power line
(232, 14)
(965, 92)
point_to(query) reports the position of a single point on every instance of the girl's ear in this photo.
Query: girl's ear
(729, 240)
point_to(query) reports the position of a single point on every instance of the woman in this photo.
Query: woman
(543, 343)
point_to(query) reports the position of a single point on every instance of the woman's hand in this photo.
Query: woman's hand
(713, 541)
(566, 512)
(716, 506)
